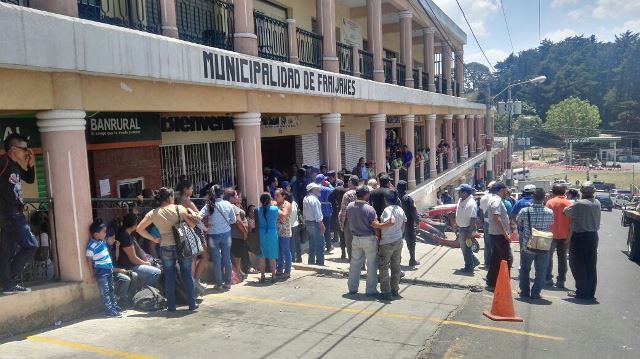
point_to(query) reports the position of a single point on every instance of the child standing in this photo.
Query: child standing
(100, 262)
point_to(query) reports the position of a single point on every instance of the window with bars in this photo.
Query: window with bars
(201, 163)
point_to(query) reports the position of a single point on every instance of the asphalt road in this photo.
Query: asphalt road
(608, 329)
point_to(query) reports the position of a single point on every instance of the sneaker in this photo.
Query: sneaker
(560, 285)
(524, 294)
(114, 314)
(413, 263)
(217, 287)
(194, 308)
(571, 293)
(395, 293)
(374, 294)
(16, 289)
(226, 286)
(384, 296)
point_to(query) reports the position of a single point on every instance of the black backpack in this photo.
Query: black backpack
(149, 299)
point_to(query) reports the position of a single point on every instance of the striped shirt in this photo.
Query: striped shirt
(98, 252)
(541, 219)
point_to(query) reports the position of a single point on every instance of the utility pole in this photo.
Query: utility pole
(509, 140)
(488, 144)
(524, 147)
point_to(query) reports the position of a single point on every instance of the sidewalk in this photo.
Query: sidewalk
(439, 266)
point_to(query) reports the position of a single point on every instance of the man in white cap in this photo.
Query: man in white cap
(524, 202)
(312, 211)
(466, 214)
(484, 205)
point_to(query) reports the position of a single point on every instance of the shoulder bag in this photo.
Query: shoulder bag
(188, 242)
(540, 240)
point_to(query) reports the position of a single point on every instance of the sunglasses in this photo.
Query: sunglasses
(25, 149)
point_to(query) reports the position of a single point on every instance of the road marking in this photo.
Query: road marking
(88, 348)
(382, 314)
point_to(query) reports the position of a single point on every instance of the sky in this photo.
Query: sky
(559, 19)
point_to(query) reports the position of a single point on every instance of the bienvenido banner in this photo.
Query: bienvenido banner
(271, 75)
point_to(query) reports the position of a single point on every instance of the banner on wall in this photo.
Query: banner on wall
(115, 127)
(23, 125)
(351, 33)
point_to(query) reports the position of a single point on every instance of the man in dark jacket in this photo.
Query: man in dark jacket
(15, 229)
(409, 208)
(335, 198)
(378, 197)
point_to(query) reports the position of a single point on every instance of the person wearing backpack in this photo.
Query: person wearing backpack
(16, 232)
(538, 217)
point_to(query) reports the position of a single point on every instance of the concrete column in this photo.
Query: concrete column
(245, 40)
(406, 45)
(293, 41)
(326, 17)
(479, 125)
(433, 144)
(448, 134)
(377, 126)
(169, 21)
(66, 166)
(62, 7)
(374, 31)
(471, 134)
(446, 67)
(408, 127)
(331, 145)
(460, 70)
(419, 84)
(394, 71)
(461, 135)
(249, 155)
(429, 56)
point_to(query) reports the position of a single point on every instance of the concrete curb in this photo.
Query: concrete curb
(414, 281)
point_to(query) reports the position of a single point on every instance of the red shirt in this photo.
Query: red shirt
(560, 226)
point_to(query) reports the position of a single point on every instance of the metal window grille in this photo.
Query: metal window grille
(387, 66)
(416, 78)
(273, 37)
(309, 48)
(345, 58)
(206, 22)
(143, 15)
(201, 163)
(401, 74)
(366, 64)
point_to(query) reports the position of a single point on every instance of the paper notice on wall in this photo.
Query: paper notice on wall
(350, 33)
(105, 187)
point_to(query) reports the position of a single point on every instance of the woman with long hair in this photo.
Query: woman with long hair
(164, 218)
(267, 219)
(239, 231)
(284, 233)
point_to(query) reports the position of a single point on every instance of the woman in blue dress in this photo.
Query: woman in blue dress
(267, 218)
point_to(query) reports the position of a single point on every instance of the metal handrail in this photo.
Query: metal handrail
(416, 78)
(143, 15)
(273, 37)
(366, 64)
(425, 81)
(309, 48)
(387, 66)
(345, 58)
(206, 22)
(401, 74)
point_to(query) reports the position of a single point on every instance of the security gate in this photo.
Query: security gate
(201, 163)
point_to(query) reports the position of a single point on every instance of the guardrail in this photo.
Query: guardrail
(345, 58)
(309, 48)
(206, 22)
(401, 77)
(366, 64)
(273, 37)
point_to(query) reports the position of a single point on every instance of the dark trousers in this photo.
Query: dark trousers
(583, 255)
(561, 246)
(328, 233)
(18, 245)
(410, 238)
(500, 251)
(296, 251)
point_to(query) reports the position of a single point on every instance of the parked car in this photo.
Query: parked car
(535, 156)
(605, 202)
(621, 200)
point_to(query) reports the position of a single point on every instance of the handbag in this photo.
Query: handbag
(540, 240)
(188, 242)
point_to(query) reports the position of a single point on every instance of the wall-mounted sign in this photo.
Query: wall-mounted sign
(280, 122)
(196, 123)
(114, 127)
(24, 125)
(350, 33)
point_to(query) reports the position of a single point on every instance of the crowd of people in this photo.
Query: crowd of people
(568, 219)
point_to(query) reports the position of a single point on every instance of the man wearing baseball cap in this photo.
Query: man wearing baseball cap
(525, 201)
(327, 210)
(499, 231)
(484, 205)
(583, 249)
(466, 214)
(313, 219)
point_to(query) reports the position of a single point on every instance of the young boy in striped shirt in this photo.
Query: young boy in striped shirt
(100, 262)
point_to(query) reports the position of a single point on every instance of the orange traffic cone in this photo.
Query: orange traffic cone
(502, 307)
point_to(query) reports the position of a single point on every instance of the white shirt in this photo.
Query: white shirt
(484, 202)
(293, 218)
(311, 208)
(466, 210)
(393, 233)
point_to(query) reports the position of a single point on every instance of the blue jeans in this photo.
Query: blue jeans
(169, 257)
(15, 233)
(104, 280)
(122, 285)
(316, 243)
(467, 253)
(296, 251)
(488, 246)
(284, 258)
(220, 247)
(150, 275)
(328, 233)
(540, 261)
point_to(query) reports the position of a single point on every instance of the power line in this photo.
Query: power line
(504, 15)
(539, 20)
(474, 36)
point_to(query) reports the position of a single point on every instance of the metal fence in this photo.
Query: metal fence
(425, 81)
(401, 74)
(436, 80)
(366, 64)
(345, 58)
(416, 78)
(273, 37)
(201, 163)
(206, 22)
(309, 48)
(387, 66)
(143, 15)
(443, 85)
(44, 265)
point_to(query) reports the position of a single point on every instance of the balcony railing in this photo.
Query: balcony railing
(458, 89)
(453, 87)
(345, 58)
(309, 48)
(401, 74)
(273, 37)
(17, 2)
(366, 64)
(444, 86)
(206, 22)
(425, 81)
(387, 65)
(436, 80)
(143, 15)
(416, 79)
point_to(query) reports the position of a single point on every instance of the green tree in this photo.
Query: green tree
(476, 76)
(573, 118)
